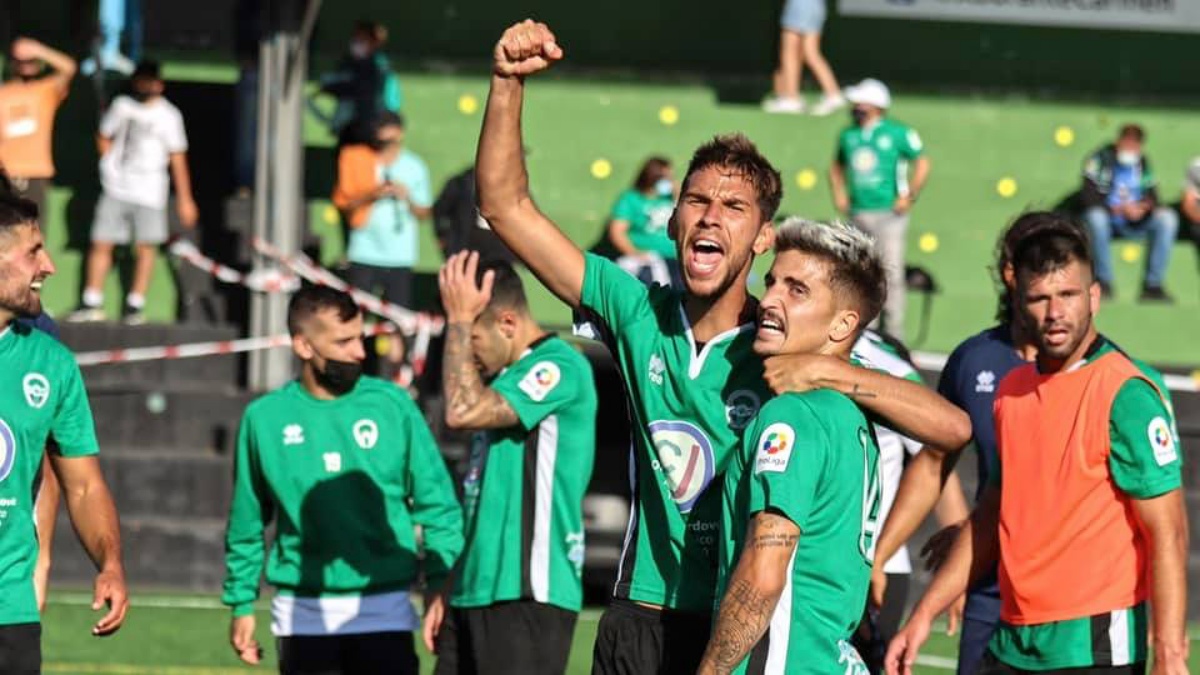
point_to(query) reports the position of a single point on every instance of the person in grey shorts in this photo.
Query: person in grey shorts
(800, 43)
(141, 138)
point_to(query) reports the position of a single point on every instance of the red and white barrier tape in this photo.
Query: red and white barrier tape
(261, 281)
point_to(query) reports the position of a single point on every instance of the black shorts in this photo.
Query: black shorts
(21, 649)
(637, 640)
(388, 652)
(993, 666)
(878, 628)
(509, 638)
(395, 284)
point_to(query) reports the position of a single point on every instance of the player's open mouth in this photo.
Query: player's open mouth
(769, 325)
(704, 256)
(36, 286)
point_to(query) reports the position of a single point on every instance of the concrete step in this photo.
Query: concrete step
(187, 421)
(167, 485)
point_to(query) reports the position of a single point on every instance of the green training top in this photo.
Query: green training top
(876, 163)
(647, 218)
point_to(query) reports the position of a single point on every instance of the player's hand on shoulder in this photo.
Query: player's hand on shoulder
(526, 48)
(795, 372)
(241, 638)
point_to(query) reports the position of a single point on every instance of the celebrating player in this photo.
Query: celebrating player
(346, 467)
(691, 376)
(517, 588)
(1085, 511)
(43, 398)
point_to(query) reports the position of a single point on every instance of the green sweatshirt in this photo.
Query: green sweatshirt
(345, 480)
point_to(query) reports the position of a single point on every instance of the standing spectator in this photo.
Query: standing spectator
(28, 103)
(1120, 200)
(363, 83)
(871, 182)
(141, 135)
(638, 225)
(347, 468)
(460, 227)
(800, 41)
(382, 191)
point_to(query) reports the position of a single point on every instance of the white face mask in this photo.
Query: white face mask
(360, 49)
(664, 187)
(1129, 158)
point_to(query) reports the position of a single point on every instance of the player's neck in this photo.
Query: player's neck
(6, 319)
(710, 317)
(1049, 366)
(308, 380)
(527, 333)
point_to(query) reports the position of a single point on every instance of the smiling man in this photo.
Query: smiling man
(802, 497)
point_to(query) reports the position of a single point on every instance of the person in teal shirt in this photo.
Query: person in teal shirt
(637, 226)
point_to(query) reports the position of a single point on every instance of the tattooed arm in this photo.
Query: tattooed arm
(470, 404)
(754, 590)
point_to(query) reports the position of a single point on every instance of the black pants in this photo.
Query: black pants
(992, 666)
(636, 640)
(360, 654)
(878, 628)
(395, 283)
(509, 638)
(21, 649)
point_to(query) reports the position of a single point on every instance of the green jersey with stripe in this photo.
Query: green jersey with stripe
(1144, 463)
(524, 489)
(811, 458)
(41, 396)
(688, 404)
(875, 161)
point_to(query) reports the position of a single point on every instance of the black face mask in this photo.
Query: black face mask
(339, 377)
(859, 115)
(141, 96)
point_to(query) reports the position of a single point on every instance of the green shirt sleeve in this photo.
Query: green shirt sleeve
(627, 208)
(613, 295)
(540, 388)
(435, 506)
(787, 467)
(249, 512)
(73, 430)
(1145, 451)
(911, 145)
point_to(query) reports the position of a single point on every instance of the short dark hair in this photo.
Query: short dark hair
(653, 169)
(147, 68)
(507, 290)
(1052, 248)
(1025, 226)
(738, 153)
(312, 300)
(1132, 131)
(15, 209)
(387, 118)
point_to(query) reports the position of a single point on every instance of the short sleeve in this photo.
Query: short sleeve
(626, 207)
(948, 382)
(786, 467)
(614, 296)
(110, 123)
(1144, 460)
(419, 191)
(540, 388)
(74, 430)
(911, 146)
(176, 139)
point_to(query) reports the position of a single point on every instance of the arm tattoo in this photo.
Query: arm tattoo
(854, 391)
(466, 395)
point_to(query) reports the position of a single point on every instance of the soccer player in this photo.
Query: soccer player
(691, 377)
(42, 397)
(1085, 511)
(517, 588)
(802, 497)
(347, 468)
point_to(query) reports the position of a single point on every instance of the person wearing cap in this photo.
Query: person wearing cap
(878, 171)
(141, 137)
(39, 79)
(1190, 205)
(1120, 201)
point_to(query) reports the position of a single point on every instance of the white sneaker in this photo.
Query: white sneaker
(828, 105)
(86, 315)
(784, 106)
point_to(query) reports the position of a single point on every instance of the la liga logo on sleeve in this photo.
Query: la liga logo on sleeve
(775, 448)
(541, 380)
(1162, 441)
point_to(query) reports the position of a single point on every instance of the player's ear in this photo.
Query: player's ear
(844, 325)
(507, 321)
(765, 239)
(302, 348)
(673, 225)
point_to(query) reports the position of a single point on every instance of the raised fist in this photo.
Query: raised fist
(524, 49)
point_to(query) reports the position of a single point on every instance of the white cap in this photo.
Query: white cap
(869, 92)
(1193, 174)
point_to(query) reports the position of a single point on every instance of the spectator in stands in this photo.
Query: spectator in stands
(800, 41)
(39, 80)
(141, 135)
(459, 226)
(363, 82)
(1120, 200)
(637, 226)
(117, 19)
(874, 184)
(1191, 198)
(382, 192)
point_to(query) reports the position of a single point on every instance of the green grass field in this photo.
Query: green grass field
(161, 637)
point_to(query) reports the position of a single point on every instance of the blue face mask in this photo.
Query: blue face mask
(665, 187)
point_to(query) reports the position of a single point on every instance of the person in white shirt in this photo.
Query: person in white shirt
(141, 135)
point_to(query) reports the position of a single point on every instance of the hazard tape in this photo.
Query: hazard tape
(261, 281)
(1182, 383)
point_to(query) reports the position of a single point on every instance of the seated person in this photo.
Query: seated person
(637, 227)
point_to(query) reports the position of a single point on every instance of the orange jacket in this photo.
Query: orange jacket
(357, 177)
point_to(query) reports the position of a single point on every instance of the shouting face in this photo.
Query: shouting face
(24, 266)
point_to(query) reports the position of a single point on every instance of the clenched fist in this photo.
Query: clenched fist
(526, 48)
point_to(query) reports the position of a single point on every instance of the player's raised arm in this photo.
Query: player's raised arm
(502, 180)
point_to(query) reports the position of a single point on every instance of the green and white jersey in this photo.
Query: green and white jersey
(41, 396)
(811, 458)
(876, 163)
(346, 482)
(688, 404)
(524, 489)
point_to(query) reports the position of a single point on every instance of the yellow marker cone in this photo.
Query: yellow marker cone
(928, 242)
(1064, 136)
(1130, 253)
(468, 104)
(1006, 187)
(601, 169)
(806, 179)
(668, 115)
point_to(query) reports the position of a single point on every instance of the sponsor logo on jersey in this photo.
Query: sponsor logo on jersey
(775, 448)
(540, 380)
(333, 462)
(848, 656)
(8, 450)
(366, 434)
(685, 456)
(985, 382)
(293, 434)
(864, 159)
(657, 368)
(741, 407)
(37, 389)
(1162, 441)
(884, 143)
